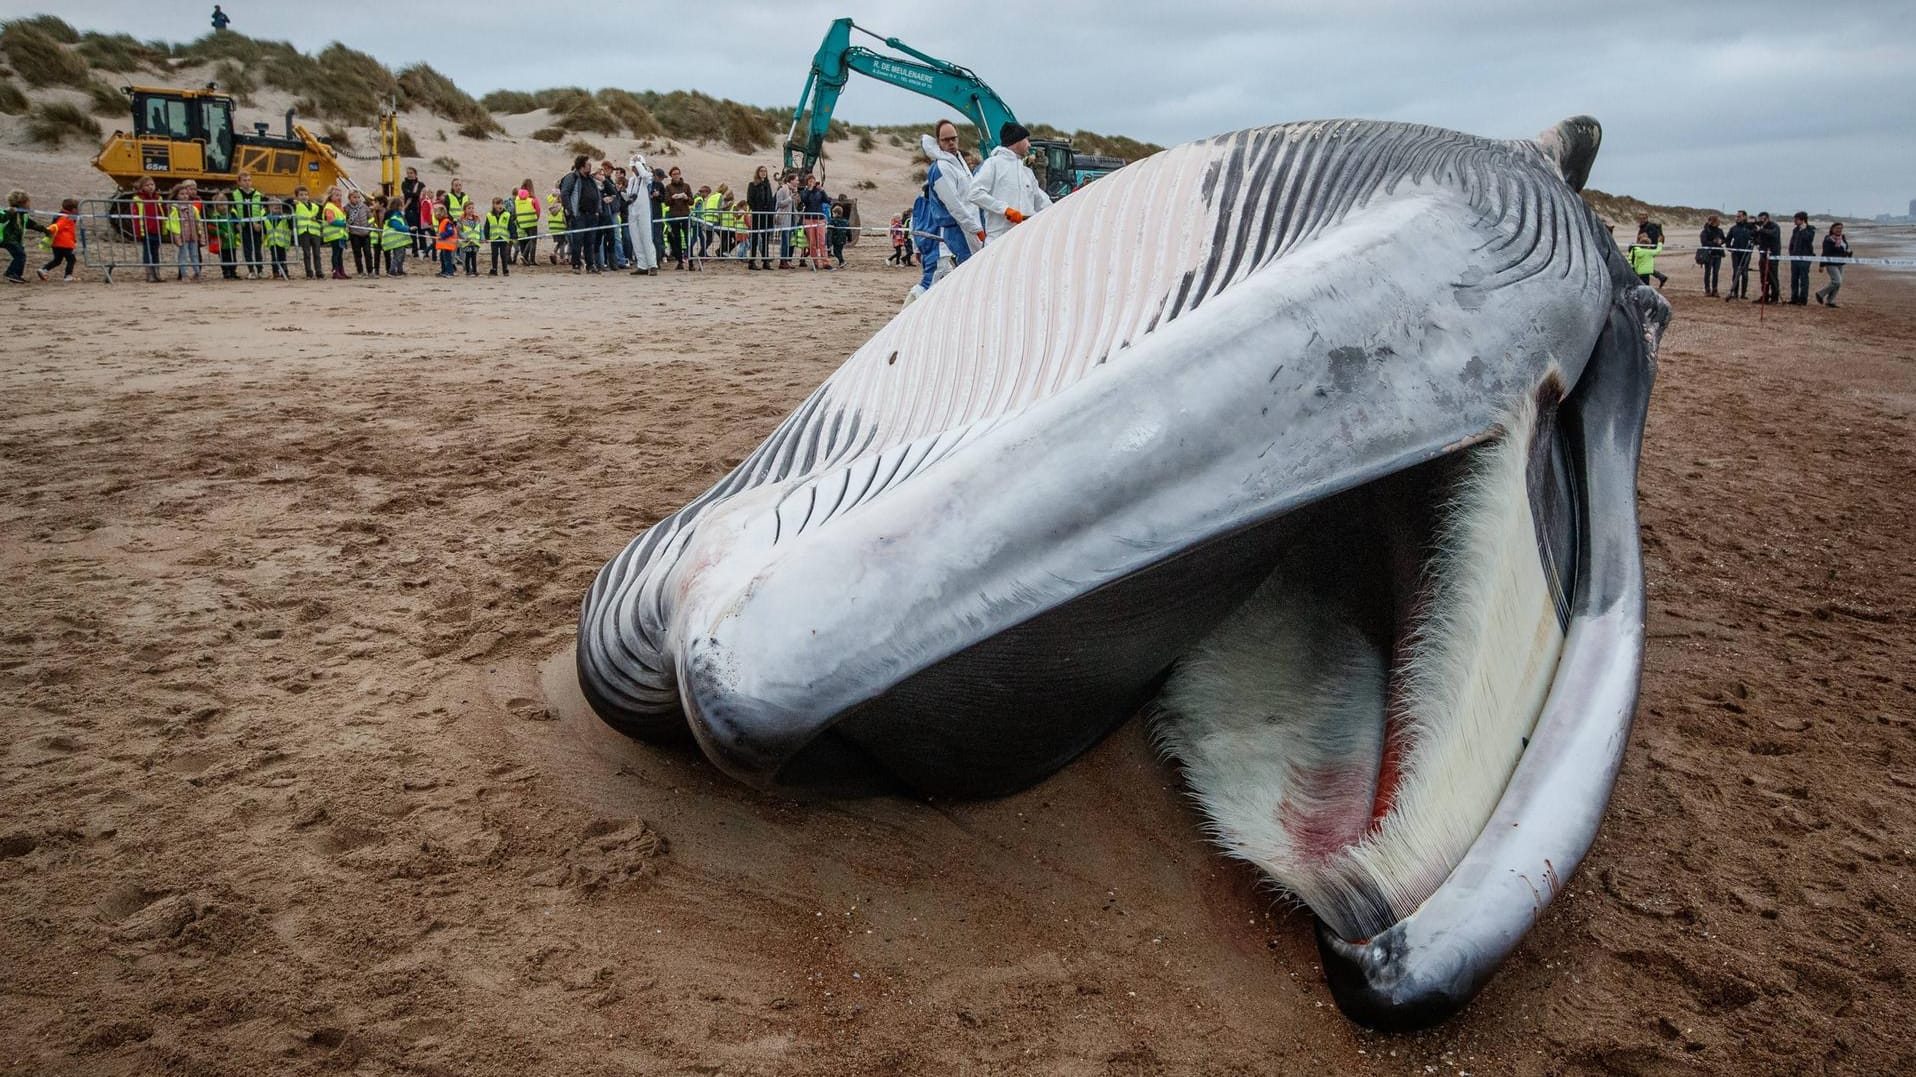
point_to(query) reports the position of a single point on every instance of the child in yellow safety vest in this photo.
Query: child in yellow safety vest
(472, 234)
(525, 216)
(501, 227)
(445, 240)
(306, 232)
(555, 226)
(1643, 257)
(395, 239)
(279, 236)
(332, 230)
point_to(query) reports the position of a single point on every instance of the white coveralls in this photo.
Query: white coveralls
(1003, 182)
(638, 217)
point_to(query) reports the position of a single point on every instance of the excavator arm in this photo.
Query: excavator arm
(924, 74)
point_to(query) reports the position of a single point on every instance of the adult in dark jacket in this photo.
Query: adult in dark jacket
(1740, 238)
(1802, 252)
(657, 190)
(1835, 245)
(678, 214)
(1655, 231)
(410, 189)
(1769, 244)
(760, 200)
(579, 194)
(1709, 253)
(612, 252)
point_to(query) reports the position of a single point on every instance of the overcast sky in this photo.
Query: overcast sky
(1754, 104)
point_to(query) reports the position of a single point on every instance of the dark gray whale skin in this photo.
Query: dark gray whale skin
(966, 603)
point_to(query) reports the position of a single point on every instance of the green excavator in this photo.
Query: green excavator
(1060, 169)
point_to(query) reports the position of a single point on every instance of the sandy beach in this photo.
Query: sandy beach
(297, 778)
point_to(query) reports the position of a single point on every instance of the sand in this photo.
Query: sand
(297, 780)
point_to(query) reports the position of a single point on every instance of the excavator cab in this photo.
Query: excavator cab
(1061, 169)
(1051, 164)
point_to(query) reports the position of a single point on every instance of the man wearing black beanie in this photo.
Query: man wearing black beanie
(1003, 188)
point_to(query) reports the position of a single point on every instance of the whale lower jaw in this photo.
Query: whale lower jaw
(1352, 726)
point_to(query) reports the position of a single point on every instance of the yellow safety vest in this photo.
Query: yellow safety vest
(250, 205)
(499, 226)
(278, 233)
(306, 218)
(469, 232)
(395, 237)
(555, 217)
(332, 223)
(527, 212)
(456, 204)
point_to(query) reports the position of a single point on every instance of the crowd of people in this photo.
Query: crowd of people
(596, 219)
(603, 218)
(1746, 240)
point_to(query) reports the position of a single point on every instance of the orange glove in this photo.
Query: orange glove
(1012, 215)
(981, 235)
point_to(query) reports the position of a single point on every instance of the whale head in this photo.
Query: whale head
(1316, 441)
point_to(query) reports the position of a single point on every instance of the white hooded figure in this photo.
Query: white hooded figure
(1004, 189)
(638, 192)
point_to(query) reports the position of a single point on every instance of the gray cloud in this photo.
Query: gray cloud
(1756, 103)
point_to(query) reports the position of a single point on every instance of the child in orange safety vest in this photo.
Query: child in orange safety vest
(61, 233)
(446, 241)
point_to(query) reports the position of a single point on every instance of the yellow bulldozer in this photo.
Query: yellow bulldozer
(189, 134)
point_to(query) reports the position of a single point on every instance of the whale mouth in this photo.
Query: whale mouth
(1351, 727)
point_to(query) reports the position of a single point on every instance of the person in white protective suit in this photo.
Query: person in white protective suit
(1003, 189)
(943, 211)
(645, 257)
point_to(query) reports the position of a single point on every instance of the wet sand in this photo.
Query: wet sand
(297, 779)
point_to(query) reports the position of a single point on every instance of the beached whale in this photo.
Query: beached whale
(1321, 439)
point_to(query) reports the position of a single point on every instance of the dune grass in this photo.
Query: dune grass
(12, 101)
(339, 137)
(120, 52)
(52, 26)
(630, 111)
(236, 80)
(51, 123)
(407, 147)
(107, 100)
(580, 145)
(549, 134)
(423, 87)
(38, 57)
(445, 163)
(510, 102)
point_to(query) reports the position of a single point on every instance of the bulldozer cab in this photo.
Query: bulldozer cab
(182, 117)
